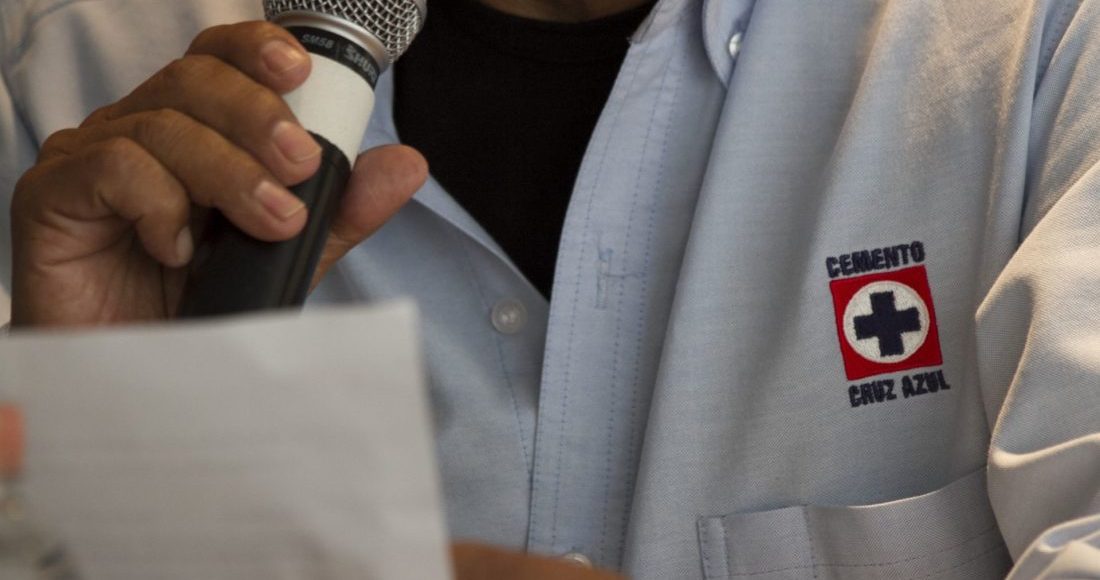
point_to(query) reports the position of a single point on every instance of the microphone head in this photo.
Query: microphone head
(391, 23)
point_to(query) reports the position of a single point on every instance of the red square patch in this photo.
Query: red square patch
(886, 322)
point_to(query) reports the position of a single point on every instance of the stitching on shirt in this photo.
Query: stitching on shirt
(616, 349)
(726, 546)
(762, 572)
(806, 524)
(633, 450)
(614, 405)
(573, 320)
(980, 534)
(892, 563)
(474, 280)
(704, 546)
(982, 554)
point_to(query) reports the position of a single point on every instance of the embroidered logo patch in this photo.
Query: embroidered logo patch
(886, 322)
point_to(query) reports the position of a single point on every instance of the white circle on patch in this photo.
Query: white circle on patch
(881, 347)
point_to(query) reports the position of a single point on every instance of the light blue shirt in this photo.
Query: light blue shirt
(541, 418)
(825, 304)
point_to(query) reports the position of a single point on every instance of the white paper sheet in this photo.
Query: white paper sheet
(275, 448)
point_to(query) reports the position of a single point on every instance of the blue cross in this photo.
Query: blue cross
(887, 324)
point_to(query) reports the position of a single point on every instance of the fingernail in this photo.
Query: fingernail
(282, 58)
(280, 202)
(185, 246)
(295, 143)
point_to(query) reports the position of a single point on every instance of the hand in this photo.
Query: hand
(475, 562)
(102, 224)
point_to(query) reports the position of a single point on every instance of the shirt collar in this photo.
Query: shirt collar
(724, 24)
(383, 131)
(721, 21)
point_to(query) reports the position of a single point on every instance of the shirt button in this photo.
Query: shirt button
(577, 559)
(509, 316)
(735, 44)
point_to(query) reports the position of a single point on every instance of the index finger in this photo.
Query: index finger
(262, 50)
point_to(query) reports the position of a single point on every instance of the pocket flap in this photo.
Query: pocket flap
(946, 534)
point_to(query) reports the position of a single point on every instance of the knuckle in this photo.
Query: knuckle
(116, 157)
(189, 69)
(411, 165)
(25, 194)
(59, 142)
(251, 179)
(175, 71)
(102, 114)
(232, 37)
(268, 28)
(168, 203)
(208, 36)
(260, 111)
(267, 105)
(229, 189)
(263, 28)
(257, 31)
(165, 125)
(247, 181)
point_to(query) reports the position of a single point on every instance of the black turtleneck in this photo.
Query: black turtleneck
(503, 107)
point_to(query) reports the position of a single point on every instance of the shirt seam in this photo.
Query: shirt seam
(704, 546)
(617, 355)
(556, 474)
(634, 449)
(816, 564)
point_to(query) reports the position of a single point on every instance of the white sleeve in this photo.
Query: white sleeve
(18, 148)
(1038, 334)
(1071, 550)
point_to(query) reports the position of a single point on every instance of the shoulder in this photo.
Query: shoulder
(24, 22)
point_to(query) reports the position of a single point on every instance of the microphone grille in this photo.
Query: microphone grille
(393, 22)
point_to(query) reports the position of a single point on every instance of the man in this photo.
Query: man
(823, 303)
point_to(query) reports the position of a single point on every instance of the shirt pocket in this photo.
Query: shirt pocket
(947, 534)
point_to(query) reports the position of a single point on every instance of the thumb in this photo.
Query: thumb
(383, 179)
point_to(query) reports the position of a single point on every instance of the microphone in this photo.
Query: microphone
(351, 43)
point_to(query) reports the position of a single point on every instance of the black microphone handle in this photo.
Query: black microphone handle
(233, 272)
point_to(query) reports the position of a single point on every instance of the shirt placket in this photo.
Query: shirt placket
(594, 394)
(616, 276)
